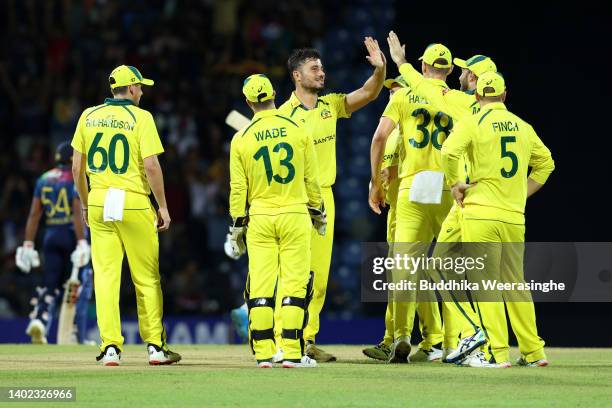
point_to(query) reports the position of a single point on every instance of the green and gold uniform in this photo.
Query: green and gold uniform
(423, 130)
(115, 138)
(456, 104)
(499, 147)
(320, 123)
(273, 172)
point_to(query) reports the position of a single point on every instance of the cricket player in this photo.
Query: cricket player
(500, 148)
(318, 114)
(54, 196)
(423, 201)
(389, 170)
(275, 190)
(116, 144)
(457, 317)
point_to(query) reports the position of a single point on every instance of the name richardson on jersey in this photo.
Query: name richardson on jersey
(110, 122)
(272, 133)
(507, 126)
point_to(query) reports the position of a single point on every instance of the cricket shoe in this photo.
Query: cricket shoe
(36, 330)
(304, 362)
(445, 352)
(538, 363)
(278, 356)
(424, 356)
(475, 359)
(111, 356)
(159, 356)
(267, 363)
(240, 321)
(379, 352)
(318, 354)
(466, 346)
(400, 350)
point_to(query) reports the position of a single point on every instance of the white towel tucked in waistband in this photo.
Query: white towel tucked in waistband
(113, 204)
(427, 187)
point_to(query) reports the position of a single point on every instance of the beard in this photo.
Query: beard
(314, 87)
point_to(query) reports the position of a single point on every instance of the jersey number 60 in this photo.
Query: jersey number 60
(108, 158)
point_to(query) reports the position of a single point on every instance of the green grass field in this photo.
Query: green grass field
(225, 376)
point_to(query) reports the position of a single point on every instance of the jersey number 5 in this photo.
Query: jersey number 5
(507, 153)
(264, 153)
(108, 158)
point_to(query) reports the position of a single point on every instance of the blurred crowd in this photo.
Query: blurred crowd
(54, 62)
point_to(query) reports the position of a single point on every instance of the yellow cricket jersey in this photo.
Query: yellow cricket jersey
(499, 147)
(273, 167)
(115, 137)
(423, 131)
(320, 123)
(456, 104)
(391, 157)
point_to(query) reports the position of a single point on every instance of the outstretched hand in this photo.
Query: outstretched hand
(376, 57)
(396, 49)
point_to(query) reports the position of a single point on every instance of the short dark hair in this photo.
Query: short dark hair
(299, 56)
(119, 90)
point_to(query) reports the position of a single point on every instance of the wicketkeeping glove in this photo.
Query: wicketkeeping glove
(27, 257)
(82, 254)
(237, 236)
(318, 217)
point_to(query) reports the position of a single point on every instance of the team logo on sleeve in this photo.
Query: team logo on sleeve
(325, 114)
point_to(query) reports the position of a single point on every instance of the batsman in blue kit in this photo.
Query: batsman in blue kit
(64, 245)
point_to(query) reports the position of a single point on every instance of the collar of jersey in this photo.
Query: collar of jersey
(295, 102)
(437, 82)
(120, 102)
(495, 106)
(264, 114)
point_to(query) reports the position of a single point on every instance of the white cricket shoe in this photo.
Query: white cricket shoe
(111, 356)
(400, 350)
(159, 356)
(421, 355)
(265, 363)
(445, 352)
(466, 346)
(304, 362)
(475, 359)
(278, 357)
(36, 330)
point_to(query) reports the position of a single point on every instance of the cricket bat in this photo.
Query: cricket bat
(65, 326)
(237, 120)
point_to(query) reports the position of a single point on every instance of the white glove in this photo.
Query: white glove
(229, 250)
(237, 236)
(82, 254)
(318, 217)
(27, 257)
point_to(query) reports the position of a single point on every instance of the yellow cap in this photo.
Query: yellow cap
(478, 64)
(434, 52)
(397, 80)
(493, 80)
(258, 88)
(125, 75)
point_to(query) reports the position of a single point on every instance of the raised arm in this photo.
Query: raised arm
(372, 86)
